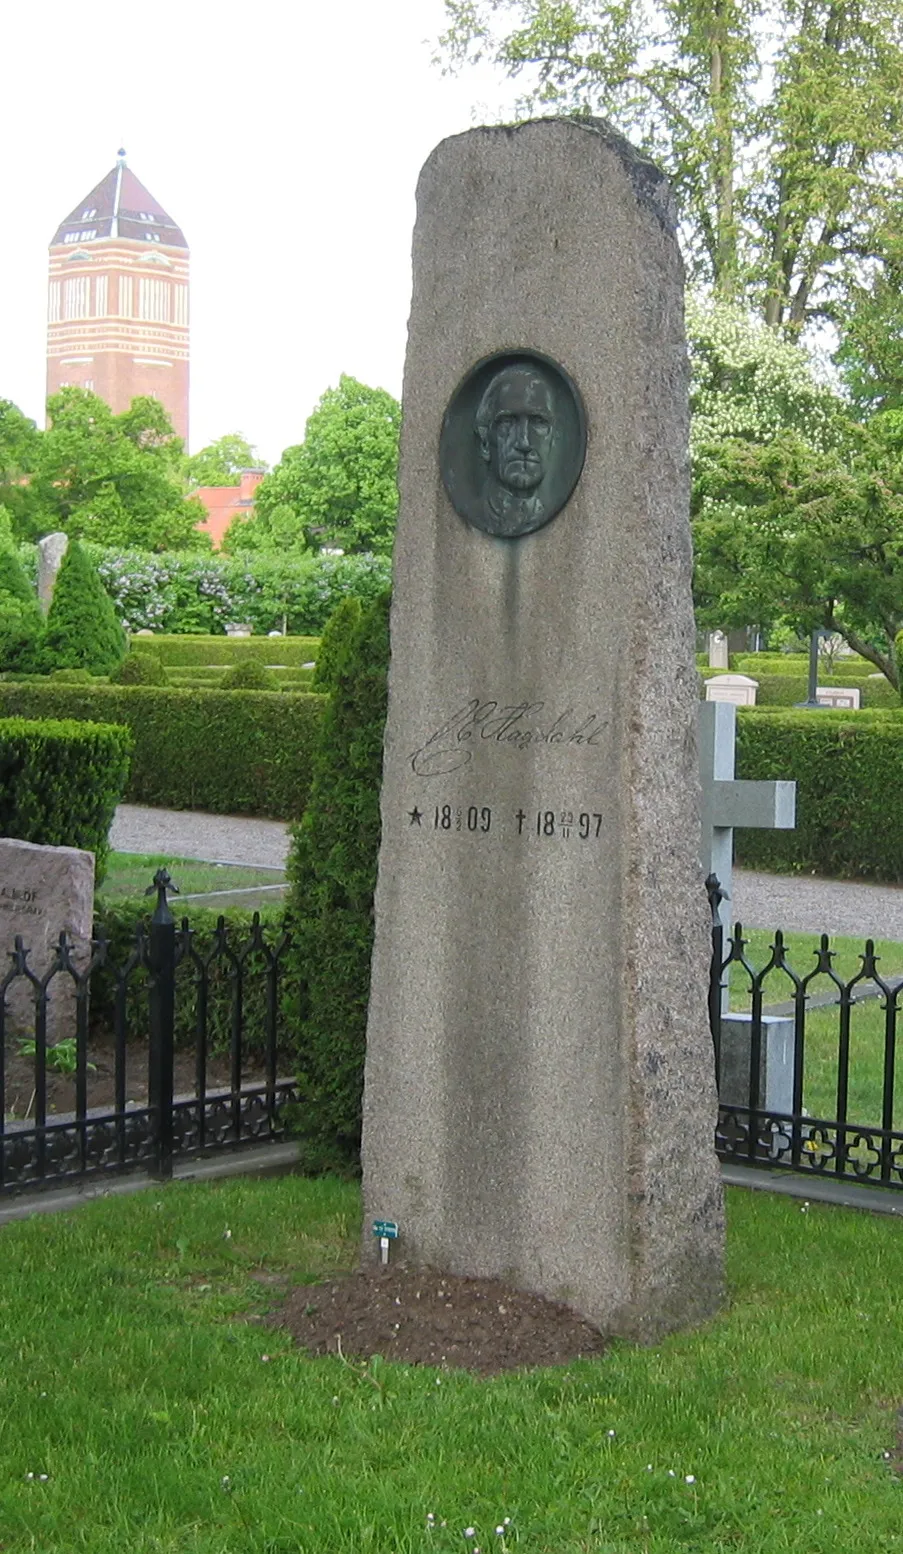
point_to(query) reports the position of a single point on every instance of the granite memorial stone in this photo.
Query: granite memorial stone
(539, 1095)
(51, 550)
(44, 891)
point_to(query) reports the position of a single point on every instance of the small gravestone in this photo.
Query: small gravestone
(840, 696)
(736, 688)
(719, 651)
(539, 1094)
(44, 891)
(51, 550)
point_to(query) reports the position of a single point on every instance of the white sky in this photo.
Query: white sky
(285, 139)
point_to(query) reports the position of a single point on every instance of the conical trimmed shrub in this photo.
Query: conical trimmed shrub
(21, 621)
(332, 869)
(337, 634)
(82, 631)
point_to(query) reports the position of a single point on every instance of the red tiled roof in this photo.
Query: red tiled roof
(119, 206)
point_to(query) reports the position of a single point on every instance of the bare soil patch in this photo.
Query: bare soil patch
(102, 1078)
(421, 1317)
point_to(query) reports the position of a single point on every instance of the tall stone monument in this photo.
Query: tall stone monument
(539, 1097)
(51, 550)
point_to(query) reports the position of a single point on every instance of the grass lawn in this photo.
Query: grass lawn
(867, 1022)
(129, 874)
(166, 1423)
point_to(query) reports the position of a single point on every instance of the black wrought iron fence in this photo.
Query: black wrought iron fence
(89, 1103)
(806, 1058)
(193, 1055)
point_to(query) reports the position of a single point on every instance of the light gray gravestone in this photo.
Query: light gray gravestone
(719, 651)
(51, 550)
(728, 802)
(763, 805)
(44, 891)
(539, 1094)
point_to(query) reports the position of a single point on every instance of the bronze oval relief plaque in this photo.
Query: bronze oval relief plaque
(513, 443)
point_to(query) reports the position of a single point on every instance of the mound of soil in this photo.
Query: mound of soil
(421, 1317)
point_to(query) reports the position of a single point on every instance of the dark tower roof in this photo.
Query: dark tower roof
(119, 206)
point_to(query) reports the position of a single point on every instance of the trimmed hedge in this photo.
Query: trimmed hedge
(214, 750)
(848, 768)
(185, 651)
(60, 782)
(289, 678)
(118, 922)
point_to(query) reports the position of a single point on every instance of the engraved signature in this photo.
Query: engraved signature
(451, 746)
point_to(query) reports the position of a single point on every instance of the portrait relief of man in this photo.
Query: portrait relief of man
(515, 426)
(512, 444)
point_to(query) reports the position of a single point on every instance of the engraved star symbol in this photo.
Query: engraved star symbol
(415, 815)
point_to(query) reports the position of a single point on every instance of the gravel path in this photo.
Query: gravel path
(793, 902)
(194, 834)
(797, 902)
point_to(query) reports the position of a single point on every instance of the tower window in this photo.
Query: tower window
(87, 214)
(152, 237)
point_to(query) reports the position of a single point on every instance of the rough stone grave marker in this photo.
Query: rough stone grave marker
(539, 1096)
(44, 891)
(51, 550)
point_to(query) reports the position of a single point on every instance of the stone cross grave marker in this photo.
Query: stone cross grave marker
(44, 891)
(539, 1093)
(726, 803)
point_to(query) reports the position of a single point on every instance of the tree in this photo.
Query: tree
(748, 382)
(221, 463)
(82, 631)
(19, 445)
(340, 484)
(785, 531)
(114, 479)
(274, 531)
(780, 126)
(21, 621)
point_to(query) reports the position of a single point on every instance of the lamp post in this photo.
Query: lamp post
(811, 704)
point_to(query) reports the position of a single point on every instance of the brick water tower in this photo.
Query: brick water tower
(117, 308)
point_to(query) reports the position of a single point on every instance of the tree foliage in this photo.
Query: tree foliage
(784, 531)
(780, 125)
(114, 479)
(21, 621)
(221, 462)
(339, 487)
(19, 445)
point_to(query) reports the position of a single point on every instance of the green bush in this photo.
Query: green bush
(337, 635)
(21, 621)
(60, 782)
(289, 679)
(250, 675)
(118, 923)
(140, 669)
(205, 652)
(82, 631)
(71, 676)
(211, 750)
(332, 869)
(848, 768)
